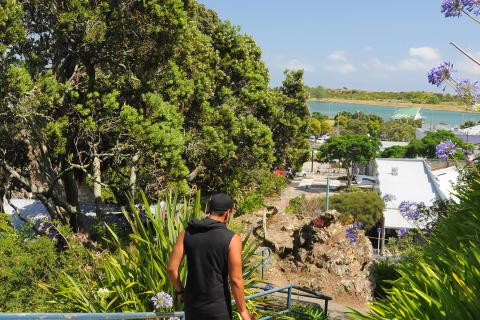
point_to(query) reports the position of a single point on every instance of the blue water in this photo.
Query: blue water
(430, 116)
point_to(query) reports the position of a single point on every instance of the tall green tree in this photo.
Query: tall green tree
(146, 94)
(349, 150)
(291, 130)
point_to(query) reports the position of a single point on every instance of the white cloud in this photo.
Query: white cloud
(412, 64)
(425, 53)
(343, 68)
(377, 64)
(409, 64)
(295, 64)
(338, 56)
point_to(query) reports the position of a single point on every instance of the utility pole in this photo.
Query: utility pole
(312, 158)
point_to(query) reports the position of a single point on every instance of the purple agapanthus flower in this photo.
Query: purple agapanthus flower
(358, 225)
(162, 300)
(351, 233)
(388, 197)
(402, 232)
(409, 210)
(445, 149)
(472, 6)
(455, 8)
(469, 91)
(438, 75)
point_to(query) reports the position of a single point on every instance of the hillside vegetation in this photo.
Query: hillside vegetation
(419, 97)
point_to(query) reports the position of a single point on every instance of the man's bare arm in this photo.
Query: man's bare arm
(174, 262)
(236, 276)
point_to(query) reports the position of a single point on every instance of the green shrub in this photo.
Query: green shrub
(296, 205)
(134, 271)
(306, 312)
(27, 263)
(249, 202)
(384, 271)
(365, 206)
(444, 282)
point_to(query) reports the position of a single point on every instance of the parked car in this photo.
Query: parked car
(312, 139)
(301, 174)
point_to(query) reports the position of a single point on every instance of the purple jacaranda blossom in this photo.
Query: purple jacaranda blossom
(402, 232)
(445, 149)
(438, 75)
(162, 300)
(469, 91)
(388, 197)
(455, 8)
(409, 210)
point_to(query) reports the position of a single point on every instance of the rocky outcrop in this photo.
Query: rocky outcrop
(316, 253)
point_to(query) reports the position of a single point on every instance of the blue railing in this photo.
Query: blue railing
(275, 294)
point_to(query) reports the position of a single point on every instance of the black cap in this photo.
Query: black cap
(220, 202)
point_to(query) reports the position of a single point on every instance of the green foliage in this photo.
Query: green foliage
(384, 271)
(317, 92)
(133, 271)
(299, 205)
(444, 282)
(411, 97)
(394, 152)
(365, 206)
(359, 123)
(426, 146)
(469, 123)
(319, 116)
(306, 312)
(400, 129)
(249, 202)
(27, 263)
(154, 96)
(349, 149)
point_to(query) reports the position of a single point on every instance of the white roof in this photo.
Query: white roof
(472, 131)
(388, 144)
(394, 220)
(446, 179)
(28, 209)
(413, 182)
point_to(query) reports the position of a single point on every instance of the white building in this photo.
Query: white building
(410, 180)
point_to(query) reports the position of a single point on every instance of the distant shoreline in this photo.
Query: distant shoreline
(442, 107)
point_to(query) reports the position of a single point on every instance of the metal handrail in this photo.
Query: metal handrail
(93, 316)
(287, 289)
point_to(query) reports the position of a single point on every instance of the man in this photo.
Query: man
(214, 254)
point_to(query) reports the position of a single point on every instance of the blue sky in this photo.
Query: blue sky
(372, 44)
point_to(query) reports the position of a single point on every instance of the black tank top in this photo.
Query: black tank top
(207, 293)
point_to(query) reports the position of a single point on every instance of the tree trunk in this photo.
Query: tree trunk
(349, 176)
(71, 194)
(133, 174)
(97, 186)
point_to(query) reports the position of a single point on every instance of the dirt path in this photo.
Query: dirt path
(274, 273)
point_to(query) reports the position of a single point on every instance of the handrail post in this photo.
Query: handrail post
(326, 307)
(289, 298)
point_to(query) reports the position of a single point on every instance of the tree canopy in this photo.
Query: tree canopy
(146, 94)
(348, 150)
